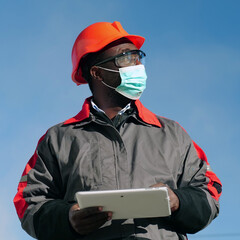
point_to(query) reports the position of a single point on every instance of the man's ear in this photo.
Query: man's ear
(96, 73)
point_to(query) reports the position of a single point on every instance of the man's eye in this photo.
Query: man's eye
(124, 59)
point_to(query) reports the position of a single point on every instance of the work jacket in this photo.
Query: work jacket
(87, 152)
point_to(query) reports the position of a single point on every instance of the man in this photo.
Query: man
(114, 143)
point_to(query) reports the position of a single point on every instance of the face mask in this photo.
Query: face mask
(133, 81)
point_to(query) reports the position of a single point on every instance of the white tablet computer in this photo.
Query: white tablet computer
(128, 203)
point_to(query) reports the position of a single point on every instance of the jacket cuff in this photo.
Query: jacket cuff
(194, 210)
(51, 222)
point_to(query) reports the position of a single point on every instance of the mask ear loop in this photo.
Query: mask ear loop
(107, 69)
(110, 70)
(108, 85)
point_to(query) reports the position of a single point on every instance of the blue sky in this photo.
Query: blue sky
(193, 68)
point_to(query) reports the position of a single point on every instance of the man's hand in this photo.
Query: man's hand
(174, 201)
(87, 220)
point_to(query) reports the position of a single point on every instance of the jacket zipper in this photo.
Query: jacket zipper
(114, 151)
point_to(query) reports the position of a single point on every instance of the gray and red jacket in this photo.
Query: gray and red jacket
(88, 153)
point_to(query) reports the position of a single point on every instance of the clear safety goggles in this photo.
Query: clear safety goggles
(125, 59)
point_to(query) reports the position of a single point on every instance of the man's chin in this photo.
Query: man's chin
(114, 96)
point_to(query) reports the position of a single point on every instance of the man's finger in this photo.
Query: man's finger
(86, 212)
(92, 223)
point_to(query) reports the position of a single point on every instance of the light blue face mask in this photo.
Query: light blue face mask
(133, 81)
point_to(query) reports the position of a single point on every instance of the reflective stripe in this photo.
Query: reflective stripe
(19, 201)
(209, 168)
(23, 178)
(215, 193)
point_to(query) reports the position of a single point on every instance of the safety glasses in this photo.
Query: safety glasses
(125, 59)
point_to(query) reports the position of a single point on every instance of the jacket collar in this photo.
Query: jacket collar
(146, 115)
(83, 114)
(143, 113)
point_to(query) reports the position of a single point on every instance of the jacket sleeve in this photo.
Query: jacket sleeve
(198, 190)
(39, 201)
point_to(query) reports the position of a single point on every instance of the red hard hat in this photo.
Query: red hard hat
(93, 39)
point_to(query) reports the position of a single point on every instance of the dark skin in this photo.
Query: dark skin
(110, 101)
(87, 220)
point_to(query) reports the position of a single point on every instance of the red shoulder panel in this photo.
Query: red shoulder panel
(83, 114)
(146, 115)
